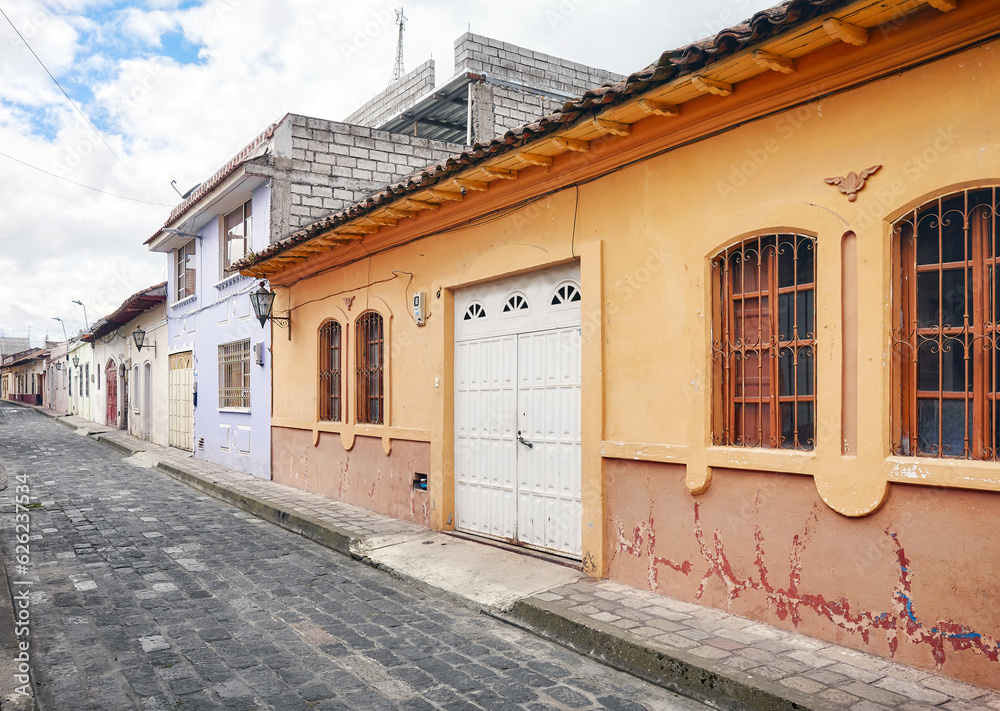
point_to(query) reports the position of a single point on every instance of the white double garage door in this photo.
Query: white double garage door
(517, 410)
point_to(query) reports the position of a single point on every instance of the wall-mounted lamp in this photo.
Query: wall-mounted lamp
(139, 336)
(58, 365)
(262, 301)
(76, 361)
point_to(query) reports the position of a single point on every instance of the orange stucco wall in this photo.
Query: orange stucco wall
(655, 490)
(765, 546)
(364, 475)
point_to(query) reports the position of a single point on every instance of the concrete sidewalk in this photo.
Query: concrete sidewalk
(722, 659)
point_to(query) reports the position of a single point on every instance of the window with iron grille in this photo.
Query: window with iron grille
(764, 343)
(87, 379)
(946, 296)
(330, 353)
(234, 375)
(187, 271)
(236, 240)
(370, 341)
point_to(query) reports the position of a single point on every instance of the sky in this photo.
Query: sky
(169, 90)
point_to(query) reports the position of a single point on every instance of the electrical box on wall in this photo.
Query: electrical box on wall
(258, 353)
(419, 299)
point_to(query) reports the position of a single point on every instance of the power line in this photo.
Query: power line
(78, 109)
(88, 187)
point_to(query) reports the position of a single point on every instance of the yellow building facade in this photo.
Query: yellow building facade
(773, 389)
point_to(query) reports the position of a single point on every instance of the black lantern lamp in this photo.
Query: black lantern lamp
(58, 365)
(76, 361)
(139, 337)
(262, 301)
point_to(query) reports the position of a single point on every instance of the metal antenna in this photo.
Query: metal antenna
(398, 71)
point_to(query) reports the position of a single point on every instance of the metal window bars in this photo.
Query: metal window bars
(944, 338)
(370, 341)
(330, 372)
(234, 375)
(764, 343)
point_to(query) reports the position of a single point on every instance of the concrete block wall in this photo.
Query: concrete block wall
(396, 98)
(515, 107)
(332, 165)
(507, 61)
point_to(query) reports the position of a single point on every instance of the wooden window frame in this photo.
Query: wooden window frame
(369, 341)
(937, 364)
(234, 375)
(186, 279)
(332, 338)
(764, 343)
(244, 215)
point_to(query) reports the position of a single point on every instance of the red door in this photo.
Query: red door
(111, 380)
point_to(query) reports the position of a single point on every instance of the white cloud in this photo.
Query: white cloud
(257, 60)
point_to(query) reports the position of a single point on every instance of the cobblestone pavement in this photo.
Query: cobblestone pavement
(147, 594)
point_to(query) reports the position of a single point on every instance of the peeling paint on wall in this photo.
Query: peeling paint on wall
(900, 621)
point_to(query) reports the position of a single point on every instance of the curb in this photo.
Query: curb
(673, 669)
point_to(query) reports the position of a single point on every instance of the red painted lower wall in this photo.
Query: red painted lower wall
(917, 581)
(364, 475)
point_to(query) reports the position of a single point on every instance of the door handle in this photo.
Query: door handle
(523, 441)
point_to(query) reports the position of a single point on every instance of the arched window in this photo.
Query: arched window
(565, 293)
(515, 302)
(370, 340)
(330, 359)
(763, 343)
(946, 298)
(474, 312)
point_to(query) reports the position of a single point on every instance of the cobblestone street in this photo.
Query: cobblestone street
(147, 594)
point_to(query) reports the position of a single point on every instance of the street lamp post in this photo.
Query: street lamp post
(77, 301)
(56, 318)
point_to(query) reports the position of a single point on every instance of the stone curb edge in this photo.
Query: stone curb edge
(9, 646)
(673, 669)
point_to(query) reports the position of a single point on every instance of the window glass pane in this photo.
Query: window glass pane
(797, 425)
(786, 371)
(953, 234)
(927, 236)
(753, 375)
(806, 262)
(953, 296)
(806, 314)
(805, 372)
(928, 365)
(946, 359)
(786, 317)
(752, 323)
(927, 300)
(956, 423)
(754, 425)
(786, 260)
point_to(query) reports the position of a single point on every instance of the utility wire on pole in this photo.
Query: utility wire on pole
(78, 109)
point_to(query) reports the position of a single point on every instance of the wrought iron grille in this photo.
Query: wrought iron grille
(370, 342)
(764, 343)
(329, 372)
(234, 375)
(946, 297)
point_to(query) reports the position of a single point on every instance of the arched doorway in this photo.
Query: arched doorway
(111, 387)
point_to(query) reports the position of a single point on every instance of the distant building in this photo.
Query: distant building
(10, 345)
